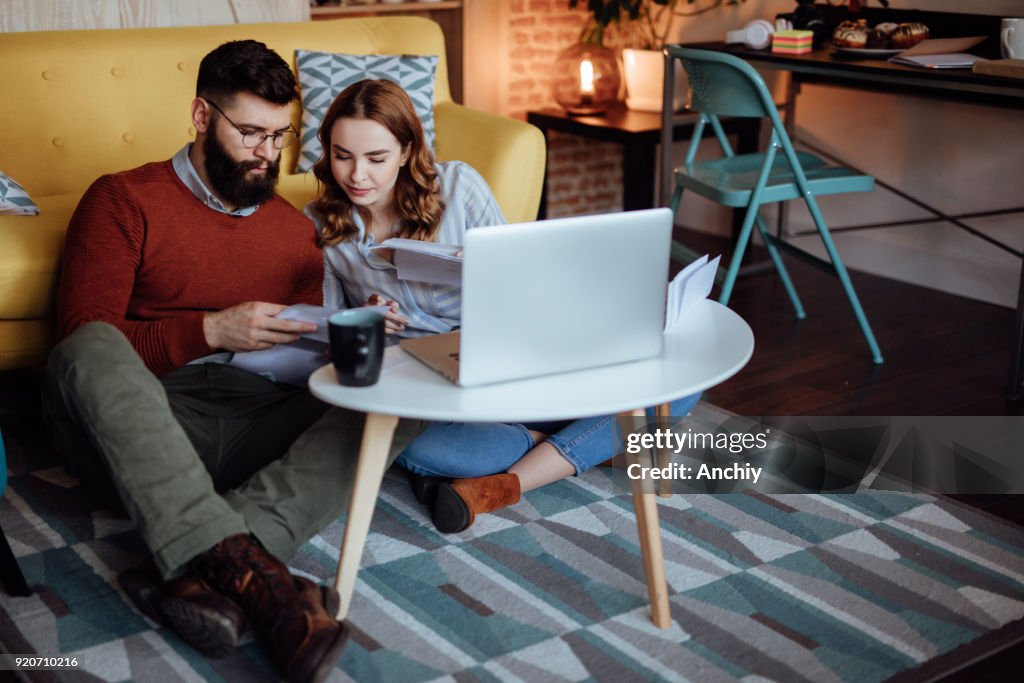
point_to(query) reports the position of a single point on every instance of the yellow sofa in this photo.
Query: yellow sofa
(78, 104)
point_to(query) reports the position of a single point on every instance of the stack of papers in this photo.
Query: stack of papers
(426, 261)
(692, 284)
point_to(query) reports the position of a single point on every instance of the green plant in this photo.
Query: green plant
(647, 21)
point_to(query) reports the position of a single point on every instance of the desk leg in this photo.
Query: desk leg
(645, 507)
(1015, 389)
(638, 162)
(373, 458)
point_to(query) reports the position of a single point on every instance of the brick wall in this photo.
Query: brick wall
(584, 176)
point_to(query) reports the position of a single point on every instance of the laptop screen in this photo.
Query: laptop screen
(564, 294)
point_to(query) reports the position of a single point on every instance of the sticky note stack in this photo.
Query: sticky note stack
(792, 42)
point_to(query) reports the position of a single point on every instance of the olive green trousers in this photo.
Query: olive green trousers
(203, 453)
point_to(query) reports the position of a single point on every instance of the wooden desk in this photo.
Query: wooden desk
(829, 67)
(639, 133)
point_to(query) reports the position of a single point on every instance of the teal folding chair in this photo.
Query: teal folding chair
(724, 85)
(10, 572)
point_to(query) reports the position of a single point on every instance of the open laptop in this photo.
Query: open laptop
(554, 296)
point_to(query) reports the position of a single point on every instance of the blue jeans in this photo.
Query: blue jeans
(475, 449)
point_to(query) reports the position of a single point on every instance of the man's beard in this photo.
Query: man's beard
(228, 177)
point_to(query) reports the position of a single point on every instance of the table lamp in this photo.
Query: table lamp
(586, 79)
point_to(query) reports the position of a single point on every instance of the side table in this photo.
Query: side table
(639, 133)
(714, 345)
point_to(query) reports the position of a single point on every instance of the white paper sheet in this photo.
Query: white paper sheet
(428, 268)
(692, 284)
(426, 261)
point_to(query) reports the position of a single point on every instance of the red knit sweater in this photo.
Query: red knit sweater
(146, 255)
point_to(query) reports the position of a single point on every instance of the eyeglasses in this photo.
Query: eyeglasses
(254, 138)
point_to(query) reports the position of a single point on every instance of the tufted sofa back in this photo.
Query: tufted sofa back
(78, 104)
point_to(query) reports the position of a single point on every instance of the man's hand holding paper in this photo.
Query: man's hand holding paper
(293, 363)
(252, 326)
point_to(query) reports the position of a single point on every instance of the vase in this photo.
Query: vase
(644, 73)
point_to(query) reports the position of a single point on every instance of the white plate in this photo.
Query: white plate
(865, 52)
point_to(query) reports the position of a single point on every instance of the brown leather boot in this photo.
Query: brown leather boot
(316, 637)
(203, 618)
(459, 502)
(287, 613)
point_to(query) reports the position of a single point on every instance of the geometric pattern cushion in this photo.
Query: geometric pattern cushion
(14, 199)
(322, 75)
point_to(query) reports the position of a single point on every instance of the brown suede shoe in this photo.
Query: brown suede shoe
(459, 502)
(203, 618)
(288, 614)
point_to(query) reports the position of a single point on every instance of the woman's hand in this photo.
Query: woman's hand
(393, 321)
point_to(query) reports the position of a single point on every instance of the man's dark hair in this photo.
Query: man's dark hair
(246, 66)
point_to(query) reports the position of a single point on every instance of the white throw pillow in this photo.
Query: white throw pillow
(13, 198)
(322, 75)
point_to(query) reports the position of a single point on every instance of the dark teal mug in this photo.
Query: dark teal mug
(357, 346)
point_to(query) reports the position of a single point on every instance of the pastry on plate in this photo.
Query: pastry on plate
(851, 34)
(909, 35)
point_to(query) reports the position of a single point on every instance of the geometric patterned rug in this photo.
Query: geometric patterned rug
(852, 587)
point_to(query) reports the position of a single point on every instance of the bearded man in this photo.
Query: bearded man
(168, 269)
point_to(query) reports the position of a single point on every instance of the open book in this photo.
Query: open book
(439, 264)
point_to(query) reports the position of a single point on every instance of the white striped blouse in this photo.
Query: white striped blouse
(352, 272)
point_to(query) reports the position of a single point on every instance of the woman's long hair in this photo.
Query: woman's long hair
(417, 191)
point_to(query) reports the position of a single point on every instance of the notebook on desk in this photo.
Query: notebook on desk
(941, 53)
(555, 296)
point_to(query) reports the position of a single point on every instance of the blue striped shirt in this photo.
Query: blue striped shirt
(352, 273)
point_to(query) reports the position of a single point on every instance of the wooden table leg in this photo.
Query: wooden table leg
(646, 508)
(663, 412)
(373, 458)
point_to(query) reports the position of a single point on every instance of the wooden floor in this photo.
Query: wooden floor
(944, 354)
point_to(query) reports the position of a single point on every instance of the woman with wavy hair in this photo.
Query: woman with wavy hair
(378, 179)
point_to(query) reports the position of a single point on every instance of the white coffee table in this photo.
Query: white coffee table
(714, 345)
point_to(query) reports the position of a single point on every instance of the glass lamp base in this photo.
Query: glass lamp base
(587, 79)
